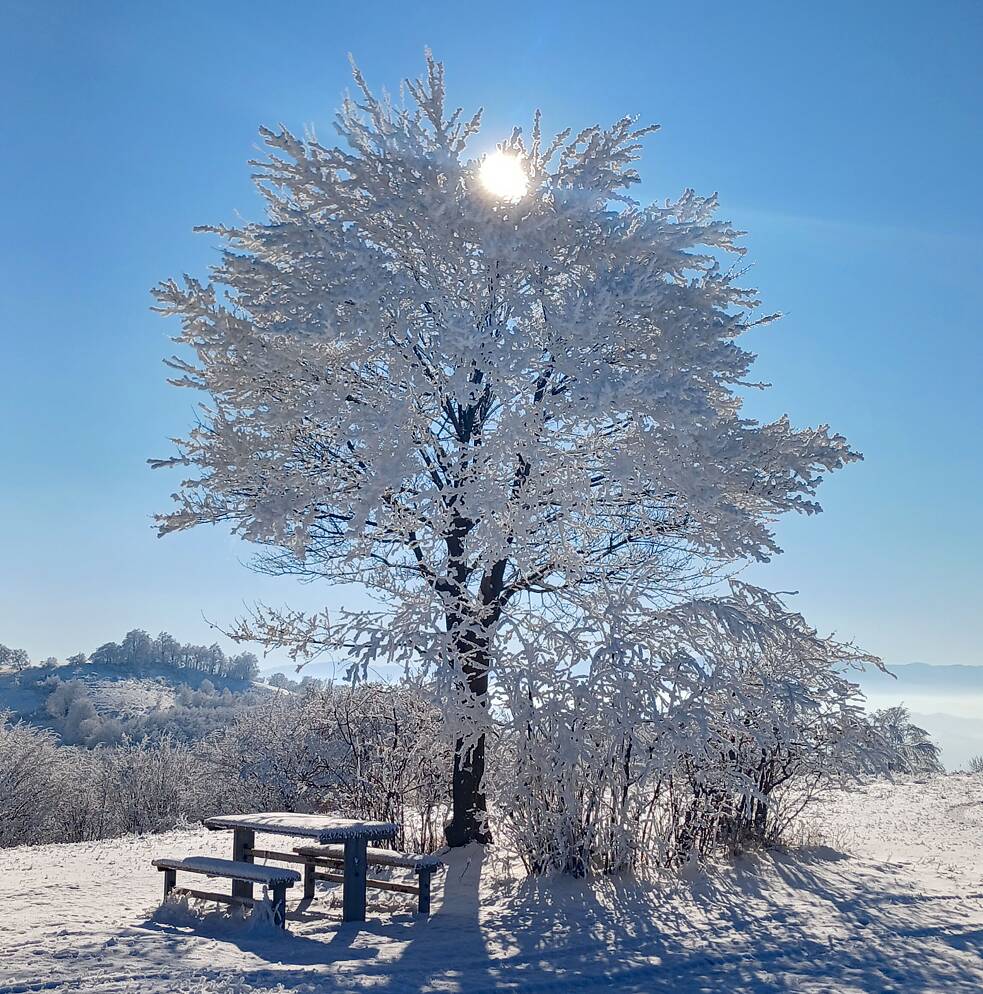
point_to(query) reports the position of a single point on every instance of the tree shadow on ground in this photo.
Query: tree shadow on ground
(404, 953)
(770, 923)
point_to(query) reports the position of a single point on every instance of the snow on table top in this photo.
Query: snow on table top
(324, 828)
(213, 867)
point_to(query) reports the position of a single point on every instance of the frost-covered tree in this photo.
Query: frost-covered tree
(495, 410)
(18, 659)
(913, 750)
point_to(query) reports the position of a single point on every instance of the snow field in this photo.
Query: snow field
(894, 904)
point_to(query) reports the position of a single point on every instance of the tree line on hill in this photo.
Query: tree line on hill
(139, 651)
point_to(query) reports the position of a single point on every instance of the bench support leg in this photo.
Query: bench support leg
(353, 889)
(279, 905)
(242, 839)
(170, 881)
(423, 902)
(309, 870)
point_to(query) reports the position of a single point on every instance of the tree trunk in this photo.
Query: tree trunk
(472, 639)
(469, 813)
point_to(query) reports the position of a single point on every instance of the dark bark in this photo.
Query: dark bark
(469, 813)
(468, 818)
(468, 821)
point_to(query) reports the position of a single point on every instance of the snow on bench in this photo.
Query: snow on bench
(231, 869)
(278, 879)
(328, 856)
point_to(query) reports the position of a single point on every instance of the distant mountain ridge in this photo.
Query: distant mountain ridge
(928, 676)
(945, 700)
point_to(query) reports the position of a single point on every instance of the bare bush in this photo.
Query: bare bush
(370, 752)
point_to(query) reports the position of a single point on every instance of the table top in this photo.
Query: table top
(324, 828)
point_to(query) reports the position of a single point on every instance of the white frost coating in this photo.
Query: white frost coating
(518, 423)
(212, 867)
(324, 828)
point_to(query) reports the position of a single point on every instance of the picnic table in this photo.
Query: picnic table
(353, 834)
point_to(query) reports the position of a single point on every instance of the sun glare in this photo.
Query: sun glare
(502, 176)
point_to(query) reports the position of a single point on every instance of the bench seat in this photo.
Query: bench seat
(380, 857)
(232, 869)
(329, 856)
(276, 878)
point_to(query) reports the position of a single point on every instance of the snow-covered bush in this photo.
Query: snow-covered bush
(27, 788)
(391, 756)
(372, 751)
(911, 749)
(708, 724)
(62, 694)
(975, 764)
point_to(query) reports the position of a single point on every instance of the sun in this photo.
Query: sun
(502, 176)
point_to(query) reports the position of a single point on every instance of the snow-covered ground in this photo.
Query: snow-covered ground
(893, 901)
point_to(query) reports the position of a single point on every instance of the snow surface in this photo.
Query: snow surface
(892, 901)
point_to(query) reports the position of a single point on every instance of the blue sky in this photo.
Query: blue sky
(844, 137)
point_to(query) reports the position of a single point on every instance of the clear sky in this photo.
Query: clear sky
(845, 137)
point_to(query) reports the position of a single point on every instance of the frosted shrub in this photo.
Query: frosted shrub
(160, 784)
(390, 758)
(911, 749)
(269, 759)
(706, 725)
(27, 787)
(372, 751)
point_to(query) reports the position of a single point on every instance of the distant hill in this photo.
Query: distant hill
(91, 703)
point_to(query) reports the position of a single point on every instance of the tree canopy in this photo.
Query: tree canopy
(503, 415)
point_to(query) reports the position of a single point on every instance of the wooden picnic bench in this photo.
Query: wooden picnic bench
(353, 835)
(278, 879)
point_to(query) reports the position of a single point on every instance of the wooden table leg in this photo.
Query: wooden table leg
(423, 902)
(309, 870)
(353, 889)
(242, 839)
